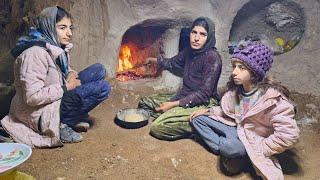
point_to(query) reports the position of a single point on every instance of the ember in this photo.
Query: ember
(128, 75)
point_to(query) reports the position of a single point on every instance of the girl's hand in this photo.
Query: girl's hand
(72, 74)
(198, 113)
(73, 83)
(166, 106)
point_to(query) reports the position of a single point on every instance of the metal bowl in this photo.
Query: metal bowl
(123, 113)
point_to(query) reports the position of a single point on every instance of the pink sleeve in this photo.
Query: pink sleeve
(33, 73)
(285, 129)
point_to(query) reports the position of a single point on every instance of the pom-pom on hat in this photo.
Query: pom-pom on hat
(257, 56)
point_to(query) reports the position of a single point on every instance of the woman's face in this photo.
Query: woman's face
(64, 30)
(198, 37)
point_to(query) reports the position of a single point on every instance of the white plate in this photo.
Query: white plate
(13, 154)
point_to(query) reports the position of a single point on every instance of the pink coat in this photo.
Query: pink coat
(268, 128)
(34, 117)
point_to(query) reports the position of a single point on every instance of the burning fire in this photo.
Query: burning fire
(124, 59)
(126, 68)
(131, 63)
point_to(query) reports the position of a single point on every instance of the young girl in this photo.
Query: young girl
(48, 91)
(200, 65)
(255, 118)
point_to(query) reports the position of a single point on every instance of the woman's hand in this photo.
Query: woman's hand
(72, 74)
(166, 106)
(151, 60)
(72, 83)
(199, 113)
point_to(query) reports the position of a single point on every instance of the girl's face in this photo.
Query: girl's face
(198, 37)
(64, 30)
(241, 74)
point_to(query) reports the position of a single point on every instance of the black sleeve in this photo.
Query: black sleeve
(212, 72)
(175, 64)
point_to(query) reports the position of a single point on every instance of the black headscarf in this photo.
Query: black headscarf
(211, 39)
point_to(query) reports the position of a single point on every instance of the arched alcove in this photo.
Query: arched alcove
(149, 38)
(279, 23)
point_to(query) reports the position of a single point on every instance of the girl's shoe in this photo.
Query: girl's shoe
(231, 166)
(82, 127)
(68, 135)
(84, 124)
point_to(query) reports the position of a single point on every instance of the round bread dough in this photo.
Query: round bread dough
(133, 118)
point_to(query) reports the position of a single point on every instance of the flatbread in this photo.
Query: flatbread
(133, 118)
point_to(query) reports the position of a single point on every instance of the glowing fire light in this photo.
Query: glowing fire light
(125, 58)
(131, 63)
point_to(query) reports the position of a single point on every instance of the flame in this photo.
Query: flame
(124, 59)
(131, 63)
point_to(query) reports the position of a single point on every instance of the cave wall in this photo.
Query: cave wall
(100, 24)
(299, 68)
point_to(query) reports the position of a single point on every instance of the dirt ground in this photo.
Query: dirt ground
(111, 152)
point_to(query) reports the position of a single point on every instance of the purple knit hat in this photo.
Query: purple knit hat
(257, 56)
